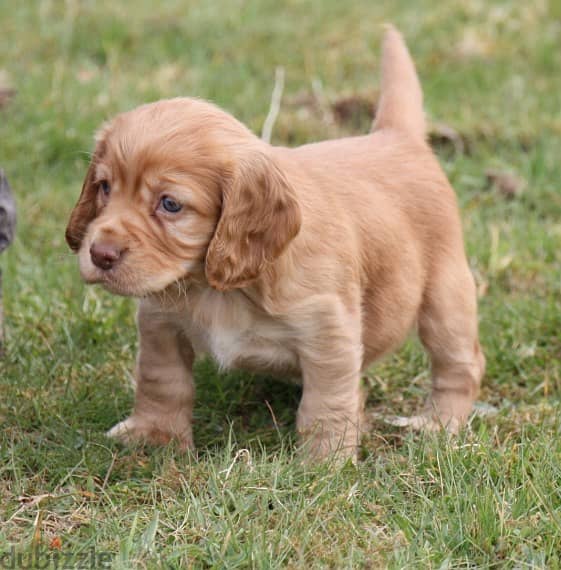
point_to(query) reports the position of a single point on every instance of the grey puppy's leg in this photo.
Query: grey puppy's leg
(7, 229)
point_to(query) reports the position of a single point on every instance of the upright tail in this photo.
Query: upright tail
(401, 100)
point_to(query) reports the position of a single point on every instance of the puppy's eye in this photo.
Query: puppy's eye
(105, 187)
(170, 205)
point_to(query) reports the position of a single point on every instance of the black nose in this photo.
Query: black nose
(104, 255)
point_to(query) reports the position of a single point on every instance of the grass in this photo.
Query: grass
(490, 498)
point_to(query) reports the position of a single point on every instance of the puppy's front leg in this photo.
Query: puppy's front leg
(164, 385)
(330, 358)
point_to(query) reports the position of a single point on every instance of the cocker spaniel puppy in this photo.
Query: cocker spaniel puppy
(310, 262)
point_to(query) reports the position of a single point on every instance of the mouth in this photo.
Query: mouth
(128, 284)
(108, 280)
(132, 279)
(113, 280)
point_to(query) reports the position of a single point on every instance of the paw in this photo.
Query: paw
(427, 422)
(318, 443)
(138, 430)
(311, 451)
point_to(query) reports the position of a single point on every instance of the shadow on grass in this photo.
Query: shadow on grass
(252, 407)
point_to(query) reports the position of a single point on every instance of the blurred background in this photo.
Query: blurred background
(491, 73)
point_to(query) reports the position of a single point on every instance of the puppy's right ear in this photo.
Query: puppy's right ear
(85, 209)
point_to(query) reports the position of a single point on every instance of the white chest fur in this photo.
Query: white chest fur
(237, 334)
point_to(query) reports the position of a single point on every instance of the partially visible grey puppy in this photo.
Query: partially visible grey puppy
(7, 213)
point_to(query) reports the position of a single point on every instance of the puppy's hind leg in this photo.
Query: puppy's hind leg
(448, 330)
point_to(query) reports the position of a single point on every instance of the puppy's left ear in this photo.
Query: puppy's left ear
(85, 209)
(260, 217)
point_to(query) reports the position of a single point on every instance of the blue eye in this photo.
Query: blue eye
(105, 187)
(170, 205)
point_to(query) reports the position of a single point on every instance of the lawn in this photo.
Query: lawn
(490, 498)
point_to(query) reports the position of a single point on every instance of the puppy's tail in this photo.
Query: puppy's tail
(401, 100)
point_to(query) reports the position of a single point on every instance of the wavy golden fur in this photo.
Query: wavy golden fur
(313, 261)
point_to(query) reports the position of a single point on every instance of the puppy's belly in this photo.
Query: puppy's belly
(247, 350)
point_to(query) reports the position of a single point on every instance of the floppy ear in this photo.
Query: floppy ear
(85, 209)
(260, 216)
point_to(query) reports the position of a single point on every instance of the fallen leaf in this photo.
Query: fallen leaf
(441, 134)
(354, 110)
(506, 183)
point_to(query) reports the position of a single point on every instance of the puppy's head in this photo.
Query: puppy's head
(175, 190)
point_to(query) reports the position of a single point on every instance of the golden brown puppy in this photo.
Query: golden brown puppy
(313, 261)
